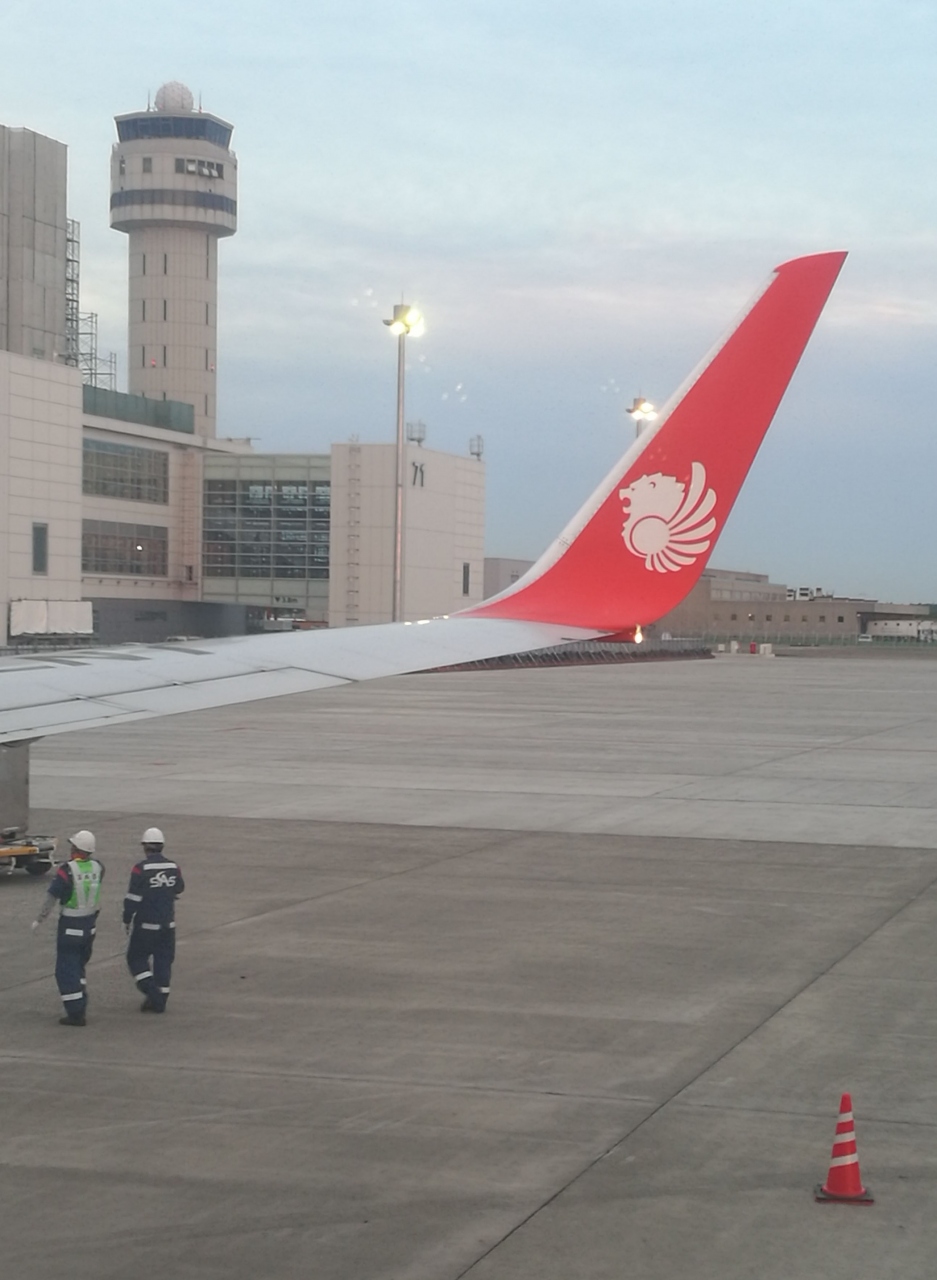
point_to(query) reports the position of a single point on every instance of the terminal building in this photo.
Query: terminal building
(125, 516)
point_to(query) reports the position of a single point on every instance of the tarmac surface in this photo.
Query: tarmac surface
(517, 974)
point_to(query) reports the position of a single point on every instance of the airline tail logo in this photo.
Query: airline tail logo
(665, 525)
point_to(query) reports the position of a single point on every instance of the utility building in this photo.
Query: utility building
(32, 244)
(174, 192)
(443, 533)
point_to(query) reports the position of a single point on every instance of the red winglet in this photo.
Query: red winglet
(642, 540)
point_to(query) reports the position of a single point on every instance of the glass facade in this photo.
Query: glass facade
(259, 528)
(155, 124)
(166, 195)
(124, 471)
(132, 550)
(171, 415)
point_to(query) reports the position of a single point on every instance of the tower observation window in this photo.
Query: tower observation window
(155, 124)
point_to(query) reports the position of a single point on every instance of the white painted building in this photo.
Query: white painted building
(32, 244)
(40, 485)
(443, 533)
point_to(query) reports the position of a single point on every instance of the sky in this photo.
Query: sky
(579, 198)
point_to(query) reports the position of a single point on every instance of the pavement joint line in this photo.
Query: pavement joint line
(675, 1096)
(800, 1115)
(337, 1077)
(848, 742)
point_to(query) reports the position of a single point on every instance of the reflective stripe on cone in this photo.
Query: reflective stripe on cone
(844, 1182)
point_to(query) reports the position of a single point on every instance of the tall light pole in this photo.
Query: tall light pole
(406, 320)
(642, 411)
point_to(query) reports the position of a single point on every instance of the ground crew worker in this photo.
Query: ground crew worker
(76, 886)
(149, 918)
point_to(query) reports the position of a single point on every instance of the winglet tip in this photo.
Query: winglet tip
(832, 259)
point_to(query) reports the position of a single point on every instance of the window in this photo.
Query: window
(165, 309)
(121, 166)
(266, 529)
(132, 550)
(823, 617)
(165, 264)
(206, 313)
(143, 356)
(40, 548)
(147, 164)
(143, 316)
(466, 574)
(124, 471)
(803, 618)
(158, 124)
(164, 357)
(840, 618)
(787, 617)
(143, 271)
(202, 168)
(733, 617)
(768, 617)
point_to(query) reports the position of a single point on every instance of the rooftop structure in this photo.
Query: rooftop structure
(32, 244)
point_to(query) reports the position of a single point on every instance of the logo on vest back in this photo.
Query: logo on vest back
(162, 881)
(666, 525)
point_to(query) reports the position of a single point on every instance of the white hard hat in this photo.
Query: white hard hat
(83, 841)
(152, 835)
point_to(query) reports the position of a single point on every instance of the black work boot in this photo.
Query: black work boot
(72, 1022)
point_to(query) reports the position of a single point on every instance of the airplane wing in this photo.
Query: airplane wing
(633, 551)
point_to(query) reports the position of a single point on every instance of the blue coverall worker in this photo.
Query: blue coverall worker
(149, 918)
(76, 887)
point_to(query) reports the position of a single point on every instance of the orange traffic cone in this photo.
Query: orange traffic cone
(844, 1182)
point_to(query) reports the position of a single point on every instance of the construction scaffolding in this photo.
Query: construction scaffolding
(81, 327)
(72, 271)
(96, 370)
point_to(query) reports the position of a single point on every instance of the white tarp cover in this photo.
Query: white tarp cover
(51, 618)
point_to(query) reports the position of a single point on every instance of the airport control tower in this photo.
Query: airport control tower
(174, 191)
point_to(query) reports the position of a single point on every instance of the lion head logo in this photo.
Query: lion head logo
(666, 525)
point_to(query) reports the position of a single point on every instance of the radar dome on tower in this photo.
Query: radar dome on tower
(174, 96)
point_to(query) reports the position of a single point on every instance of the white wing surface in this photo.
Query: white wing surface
(56, 694)
(592, 581)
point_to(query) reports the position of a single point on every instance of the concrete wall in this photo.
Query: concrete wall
(152, 621)
(443, 530)
(40, 480)
(502, 572)
(32, 244)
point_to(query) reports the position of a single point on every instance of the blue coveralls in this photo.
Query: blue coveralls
(77, 886)
(150, 908)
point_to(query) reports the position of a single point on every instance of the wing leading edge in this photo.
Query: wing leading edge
(633, 551)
